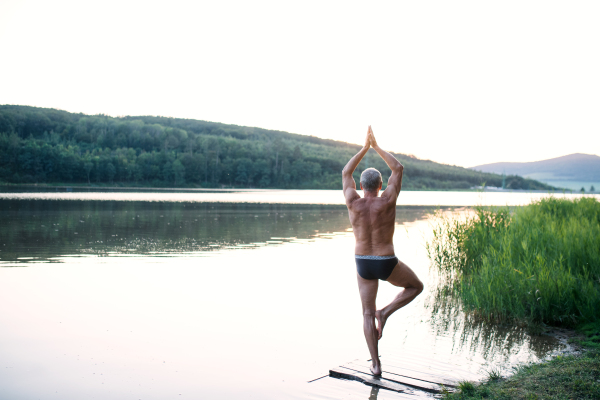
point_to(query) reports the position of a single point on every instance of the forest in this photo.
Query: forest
(48, 146)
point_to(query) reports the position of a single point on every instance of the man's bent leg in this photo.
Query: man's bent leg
(401, 276)
(368, 294)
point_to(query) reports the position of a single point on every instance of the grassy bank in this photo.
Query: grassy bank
(535, 264)
(532, 265)
(562, 377)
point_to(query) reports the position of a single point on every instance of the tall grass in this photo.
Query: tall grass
(538, 263)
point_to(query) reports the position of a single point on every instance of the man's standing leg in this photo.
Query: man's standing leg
(401, 276)
(368, 293)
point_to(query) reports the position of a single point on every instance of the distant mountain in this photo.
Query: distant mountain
(573, 171)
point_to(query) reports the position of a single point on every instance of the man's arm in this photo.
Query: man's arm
(349, 187)
(395, 182)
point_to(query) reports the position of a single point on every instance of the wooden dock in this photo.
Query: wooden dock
(411, 376)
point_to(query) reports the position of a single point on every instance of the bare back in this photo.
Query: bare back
(373, 221)
(373, 218)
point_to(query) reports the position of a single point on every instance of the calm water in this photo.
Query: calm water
(175, 297)
(274, 196)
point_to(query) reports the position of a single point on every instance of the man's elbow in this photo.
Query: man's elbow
(399, 168)
(346, 172)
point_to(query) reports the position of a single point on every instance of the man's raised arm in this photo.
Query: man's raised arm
(395, 182)
(349, 186)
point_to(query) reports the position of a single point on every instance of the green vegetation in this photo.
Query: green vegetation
(563, 377)
(538, 264)
(591, 332)
(40, 145)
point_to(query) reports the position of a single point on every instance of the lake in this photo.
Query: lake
(116, 294)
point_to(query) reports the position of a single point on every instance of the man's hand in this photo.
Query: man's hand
(373, 142)
(349, 186)
(395, 181)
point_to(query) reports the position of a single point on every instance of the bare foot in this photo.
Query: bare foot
(376, 369)
(380, 323)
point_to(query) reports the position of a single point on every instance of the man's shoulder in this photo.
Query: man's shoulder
(357, 201)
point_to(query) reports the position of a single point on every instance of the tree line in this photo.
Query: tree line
(39, 145)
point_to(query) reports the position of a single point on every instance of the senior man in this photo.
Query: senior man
(373, 218)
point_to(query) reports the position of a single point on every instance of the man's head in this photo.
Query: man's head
(370, 180)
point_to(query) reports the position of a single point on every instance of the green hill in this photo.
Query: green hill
(41, 145)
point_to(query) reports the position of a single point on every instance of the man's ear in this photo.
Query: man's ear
(380, 185)
(360, 184)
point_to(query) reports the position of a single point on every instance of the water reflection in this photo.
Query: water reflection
(374, 393)
(42, 230)
(504, 345)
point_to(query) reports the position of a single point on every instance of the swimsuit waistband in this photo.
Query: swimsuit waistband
(374, 257)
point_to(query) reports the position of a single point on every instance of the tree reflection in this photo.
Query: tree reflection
(46, 229)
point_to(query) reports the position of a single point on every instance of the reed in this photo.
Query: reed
(537, 264)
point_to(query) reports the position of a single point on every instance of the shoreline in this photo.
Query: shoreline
(129, 186)
(529, 285)
(572, 373)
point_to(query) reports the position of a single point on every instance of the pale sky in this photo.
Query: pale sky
(458, 82)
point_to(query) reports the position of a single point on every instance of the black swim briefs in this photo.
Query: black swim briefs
(375, 267)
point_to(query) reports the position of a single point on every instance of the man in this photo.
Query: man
(373, 220)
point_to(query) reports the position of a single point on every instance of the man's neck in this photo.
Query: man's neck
(374, 193)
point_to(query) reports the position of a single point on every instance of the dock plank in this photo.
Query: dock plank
(416, 362)
(426, 386)
(334, 388)
(413, 373)
(369, 379)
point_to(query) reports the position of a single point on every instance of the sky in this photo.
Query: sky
(458, 82)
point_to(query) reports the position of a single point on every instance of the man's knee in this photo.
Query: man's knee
(370, 313)
(418, 285)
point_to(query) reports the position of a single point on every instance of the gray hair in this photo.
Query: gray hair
(370, 179)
